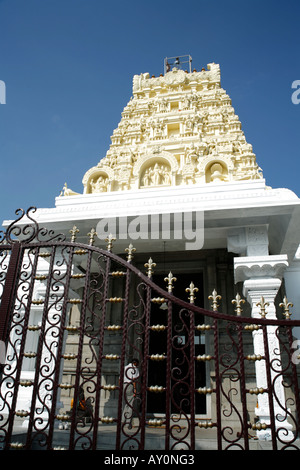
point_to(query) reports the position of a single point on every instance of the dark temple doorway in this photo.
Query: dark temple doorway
(180, 381)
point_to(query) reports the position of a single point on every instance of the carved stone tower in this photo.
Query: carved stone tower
(177, 129)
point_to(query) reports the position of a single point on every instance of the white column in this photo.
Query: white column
(262, 279)
(292, 283)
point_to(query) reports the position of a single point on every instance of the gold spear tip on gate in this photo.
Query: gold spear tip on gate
(130, 250)
(262, 304)
(92, 234)
(73, 232)
(214, 297)
(170, 279)
(238, 301)
(286, 307)
(150, 265)
(191, 289)
(109, 241)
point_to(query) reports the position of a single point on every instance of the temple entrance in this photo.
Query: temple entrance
(156, 402)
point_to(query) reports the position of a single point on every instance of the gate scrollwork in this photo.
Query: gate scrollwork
(73, 316)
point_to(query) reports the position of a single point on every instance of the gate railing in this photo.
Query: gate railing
(73, 316)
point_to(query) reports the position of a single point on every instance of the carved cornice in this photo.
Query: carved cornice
(177, 77)
(259, 267)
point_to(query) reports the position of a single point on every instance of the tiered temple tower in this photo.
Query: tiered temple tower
(177, 129)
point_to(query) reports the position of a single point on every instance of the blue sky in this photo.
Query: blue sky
(68, 67)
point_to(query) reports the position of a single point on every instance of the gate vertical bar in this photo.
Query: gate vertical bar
(269, 385)
(24, 335)
(218, 385)
(122, 365)
(79, 352)
(145, 368)
(7, 303)
(295, 381)
(243, 385)
(168, 375)
(39, 354)
(9, 289)
(100, 354)
(192, 377)
(61, 331)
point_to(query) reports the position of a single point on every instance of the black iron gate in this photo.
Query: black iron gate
(76, 325)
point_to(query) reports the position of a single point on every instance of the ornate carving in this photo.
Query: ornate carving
(154, 117)
(67, 191)
(155, 175)
(99, 185)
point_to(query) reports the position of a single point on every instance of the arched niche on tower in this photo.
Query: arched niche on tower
(98, 180)
(156, 170)
(217, 169)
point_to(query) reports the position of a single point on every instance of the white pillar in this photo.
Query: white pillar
(262, 279)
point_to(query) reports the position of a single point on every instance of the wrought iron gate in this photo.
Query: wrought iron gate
(73, 316)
